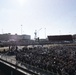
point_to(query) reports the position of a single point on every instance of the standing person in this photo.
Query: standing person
(59, 71)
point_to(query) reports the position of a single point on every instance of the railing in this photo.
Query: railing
(15, 66)
(33, 69)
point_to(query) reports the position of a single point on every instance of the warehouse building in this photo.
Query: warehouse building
(10, 37)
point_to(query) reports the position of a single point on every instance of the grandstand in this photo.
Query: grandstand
(60, 38)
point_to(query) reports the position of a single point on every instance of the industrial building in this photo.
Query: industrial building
(10, 37)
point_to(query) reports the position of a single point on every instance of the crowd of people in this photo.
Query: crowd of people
(59, 59)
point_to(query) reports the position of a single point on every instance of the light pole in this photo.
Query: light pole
(21, 29)
(2, 31)
(59, 32)
(45, 32)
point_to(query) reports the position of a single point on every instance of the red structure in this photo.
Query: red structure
(60, 38)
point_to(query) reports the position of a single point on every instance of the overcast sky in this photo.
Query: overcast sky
(57, 16)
